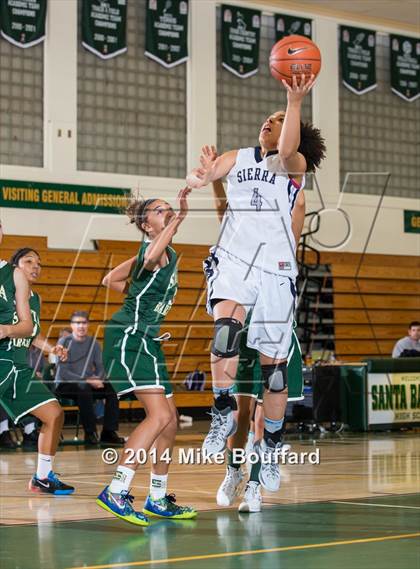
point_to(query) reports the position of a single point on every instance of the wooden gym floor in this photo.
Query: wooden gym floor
(359, 508)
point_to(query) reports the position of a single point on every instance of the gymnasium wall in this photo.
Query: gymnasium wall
(67, 116)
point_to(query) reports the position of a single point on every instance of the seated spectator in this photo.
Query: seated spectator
(81, 378)
(409, 346)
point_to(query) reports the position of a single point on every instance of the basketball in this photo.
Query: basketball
(294, 55)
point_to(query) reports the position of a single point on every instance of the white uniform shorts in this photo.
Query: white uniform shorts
(270, 297)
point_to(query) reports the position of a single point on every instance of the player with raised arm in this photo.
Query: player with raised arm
(135, 364)
(254, 268)
(248, 380)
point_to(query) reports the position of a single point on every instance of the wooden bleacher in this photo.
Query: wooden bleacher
(375, 298)
(373, 303)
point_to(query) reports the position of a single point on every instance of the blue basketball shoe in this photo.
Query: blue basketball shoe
(166, 507)
(50, 485)
(120, 506)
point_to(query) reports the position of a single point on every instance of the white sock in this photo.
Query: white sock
(122, 479)
(45, 465)
(29, 428)
(4, 426)
(158, 485)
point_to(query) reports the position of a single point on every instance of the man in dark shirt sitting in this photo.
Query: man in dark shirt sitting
(81, 378)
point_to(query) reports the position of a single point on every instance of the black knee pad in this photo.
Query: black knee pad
(227, 336)
(275, 377)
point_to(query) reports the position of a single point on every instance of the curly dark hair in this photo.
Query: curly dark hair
(137, 212)
(312, 146)
(19, 253)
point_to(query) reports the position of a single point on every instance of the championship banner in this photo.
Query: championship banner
(104, 27)
(290, 25)
(405, 67)
(411, 221)
(358, 59)
(240, 40)
(22, 23)
(37, 195)
(167, 31)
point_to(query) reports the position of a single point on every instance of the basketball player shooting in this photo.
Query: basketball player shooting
(254, 268)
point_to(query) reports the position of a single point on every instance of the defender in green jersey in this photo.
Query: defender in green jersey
(133, 358)
(25, 394)
(135, 364)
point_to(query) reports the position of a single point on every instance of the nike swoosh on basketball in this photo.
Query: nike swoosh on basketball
(294, 51)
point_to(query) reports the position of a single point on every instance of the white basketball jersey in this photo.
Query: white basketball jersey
(257, 226)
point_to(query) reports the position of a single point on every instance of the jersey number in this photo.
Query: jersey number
(256, 199)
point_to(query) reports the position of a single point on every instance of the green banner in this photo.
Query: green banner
(167, 31)
(411, 221)
(104, 24)
(22, 22)
(240, 40)
(37, 195)
(291, 25)
(358, 59)
(405, 67)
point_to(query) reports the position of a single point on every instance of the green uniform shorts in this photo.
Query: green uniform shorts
(20, 391)
(133, 361)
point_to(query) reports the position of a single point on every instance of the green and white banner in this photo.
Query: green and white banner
(291, 25)
(358, 59)
(38, 195)
(167, 31)
(405, 67)
(104, 25)
(411, 221)
(240, 40)
(22, 22)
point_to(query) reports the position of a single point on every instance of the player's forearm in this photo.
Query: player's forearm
(117, 278)
(22, 329)
(289, 140)
(158, 246)
(298, 216)
(194, 181)
(219, 196)
(42, 344)
(297, 223)
(200, 177)
(113, 284)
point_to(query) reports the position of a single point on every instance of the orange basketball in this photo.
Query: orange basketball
(294, 55)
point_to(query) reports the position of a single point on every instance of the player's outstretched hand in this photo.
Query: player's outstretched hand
(183, 203)
(200, 177)
(208, 156)
(298, 90)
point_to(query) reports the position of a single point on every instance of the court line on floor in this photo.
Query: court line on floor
(250, 552)
(374, 505)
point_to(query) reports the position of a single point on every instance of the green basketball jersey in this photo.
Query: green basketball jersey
(7, 301)
(22, 345)
(150, 295)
